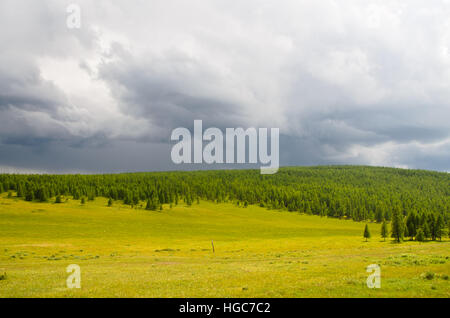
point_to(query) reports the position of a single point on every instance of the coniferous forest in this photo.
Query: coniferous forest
(417, 202)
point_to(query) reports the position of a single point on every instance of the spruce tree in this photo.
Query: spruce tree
(44, 195)
(397, 229)
(420, 235)
(384, 230)
(29, 196)
(20, 190)
(440, 225)
(432, 226)
(426, 231)
(411, 224)
(366, 232)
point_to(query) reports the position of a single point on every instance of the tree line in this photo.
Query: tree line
(426, 227)
(419, 198)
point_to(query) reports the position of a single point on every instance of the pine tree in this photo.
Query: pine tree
(58, 199)
(110, 202)
(152, 204)
(366, 232)
(384, 230)
(411, 224)
(420, 235)
(397, 226)
(20, 190)
(426, 231)
(440, 225)
(29, 196)
(43, 195)
(432, 226)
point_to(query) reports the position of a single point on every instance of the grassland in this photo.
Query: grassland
(126, 252)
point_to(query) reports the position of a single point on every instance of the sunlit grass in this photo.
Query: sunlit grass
(126, 252)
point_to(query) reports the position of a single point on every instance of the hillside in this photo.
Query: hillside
(360, 193)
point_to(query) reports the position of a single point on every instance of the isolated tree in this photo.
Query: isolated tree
(384, 230)
(83, 200)
(366, 232)
(397, 225)
(110, 202)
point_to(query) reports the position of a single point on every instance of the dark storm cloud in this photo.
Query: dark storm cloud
(358, 83)
(28, 91)
(169, 94)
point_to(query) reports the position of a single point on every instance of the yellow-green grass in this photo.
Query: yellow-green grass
(125, 252)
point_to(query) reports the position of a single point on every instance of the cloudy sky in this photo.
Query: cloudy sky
(347, 82)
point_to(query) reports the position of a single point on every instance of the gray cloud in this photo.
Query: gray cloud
(358, 83)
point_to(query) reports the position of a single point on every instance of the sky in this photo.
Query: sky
(346, 82)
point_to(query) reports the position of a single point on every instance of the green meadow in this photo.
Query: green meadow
(133, 252)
